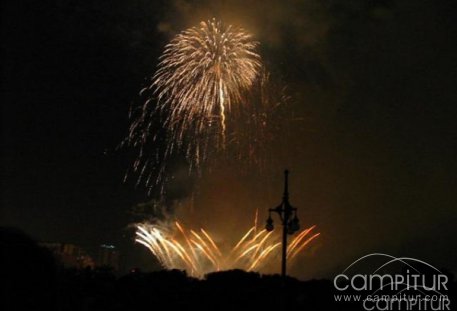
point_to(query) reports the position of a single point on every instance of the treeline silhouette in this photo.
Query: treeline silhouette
(33, 280)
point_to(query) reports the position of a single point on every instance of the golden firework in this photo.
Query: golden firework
(196, 252)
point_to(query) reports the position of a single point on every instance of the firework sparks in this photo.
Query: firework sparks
(198, 254)
(202, 76)
(203, 70)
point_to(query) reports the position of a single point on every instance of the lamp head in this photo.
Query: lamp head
(294, 225)
(269, 226)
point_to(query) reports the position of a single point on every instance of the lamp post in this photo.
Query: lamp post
(289, 221)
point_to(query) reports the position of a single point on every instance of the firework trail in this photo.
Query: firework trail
(254, 137)
(198, 254)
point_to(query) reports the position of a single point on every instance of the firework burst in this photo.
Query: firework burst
(202, 71)
(196, 251)
(203, 76)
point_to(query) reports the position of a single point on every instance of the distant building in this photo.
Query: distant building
(108, 256)
(70, 255)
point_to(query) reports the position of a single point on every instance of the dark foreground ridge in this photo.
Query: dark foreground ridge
(32, 280)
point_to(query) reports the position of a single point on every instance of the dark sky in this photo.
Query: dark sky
(373, 160)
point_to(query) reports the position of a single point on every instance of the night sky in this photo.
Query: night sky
(373, 160)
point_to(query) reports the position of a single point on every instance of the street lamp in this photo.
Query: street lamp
(289, 220)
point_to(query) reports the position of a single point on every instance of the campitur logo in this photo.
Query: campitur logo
(392, 283)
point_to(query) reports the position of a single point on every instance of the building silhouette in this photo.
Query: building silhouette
(108, 256)
(70, 255)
